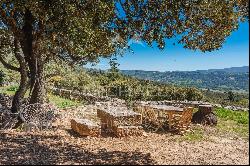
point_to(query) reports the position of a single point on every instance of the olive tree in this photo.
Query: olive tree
(81, 31)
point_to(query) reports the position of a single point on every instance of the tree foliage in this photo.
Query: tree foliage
(84, 30)
(202, 25)
(79, 31)
(231, 96)
(74, 31)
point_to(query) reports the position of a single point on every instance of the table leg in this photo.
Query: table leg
(170, 117)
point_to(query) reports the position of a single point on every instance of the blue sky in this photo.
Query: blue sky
(234, 53)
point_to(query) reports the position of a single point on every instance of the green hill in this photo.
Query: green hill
(236, 78)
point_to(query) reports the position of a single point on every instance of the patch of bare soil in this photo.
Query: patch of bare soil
(64, 146)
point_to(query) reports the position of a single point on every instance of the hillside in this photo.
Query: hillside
(235, 78)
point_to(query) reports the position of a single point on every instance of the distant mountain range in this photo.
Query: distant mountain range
(234, 78)
(243, 69)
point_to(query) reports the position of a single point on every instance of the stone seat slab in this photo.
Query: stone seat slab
(86, 127)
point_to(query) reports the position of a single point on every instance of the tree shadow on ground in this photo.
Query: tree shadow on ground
(104, 134)
(39, 149)
(74, 134)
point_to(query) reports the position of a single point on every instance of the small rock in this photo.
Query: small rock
(144, 134)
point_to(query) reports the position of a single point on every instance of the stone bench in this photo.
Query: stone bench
(86, 127)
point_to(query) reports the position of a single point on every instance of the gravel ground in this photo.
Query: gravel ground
(66, 147)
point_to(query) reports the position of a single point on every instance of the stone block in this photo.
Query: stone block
(86, 127)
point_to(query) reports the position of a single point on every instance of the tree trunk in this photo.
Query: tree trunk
(24, 82)
(205, 115)
(35, 64)
(19, 95)
(37, 86)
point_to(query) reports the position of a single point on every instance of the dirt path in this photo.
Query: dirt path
(65, 147)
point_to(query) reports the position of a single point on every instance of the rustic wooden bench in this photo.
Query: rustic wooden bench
(120, 121)
(124, 131)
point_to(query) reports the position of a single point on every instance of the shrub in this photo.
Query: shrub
(237, 116)
(12, 88)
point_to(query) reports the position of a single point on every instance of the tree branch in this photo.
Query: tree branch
(18, 55)
(8, 66)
